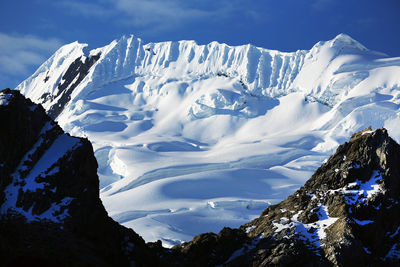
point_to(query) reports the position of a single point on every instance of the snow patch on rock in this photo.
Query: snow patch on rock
(313, 233)
(44, 167)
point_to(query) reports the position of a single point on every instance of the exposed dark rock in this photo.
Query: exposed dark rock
(53, 215)
(347, 214)
(75, 73)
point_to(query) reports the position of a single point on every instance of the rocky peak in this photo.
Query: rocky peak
(347, 213)
(50, 210)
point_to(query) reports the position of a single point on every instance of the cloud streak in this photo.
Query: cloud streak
(143, 13)
(19, 53)
(155, 14)
(86, 9)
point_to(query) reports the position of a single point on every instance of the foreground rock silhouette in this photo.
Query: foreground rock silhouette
(51, 213)
(347, 213)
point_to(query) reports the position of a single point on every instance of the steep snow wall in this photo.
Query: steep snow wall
(318, 72)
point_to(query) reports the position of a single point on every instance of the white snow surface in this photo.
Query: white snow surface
(191, 138)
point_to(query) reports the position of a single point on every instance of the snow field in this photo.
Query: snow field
(191, 138)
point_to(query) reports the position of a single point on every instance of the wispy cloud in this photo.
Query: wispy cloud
(143, 12)
(19, 53)
(155, 14)
(86, 9)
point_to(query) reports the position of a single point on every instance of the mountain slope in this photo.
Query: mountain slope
(346, 214)
(50, 210)
(191, 138)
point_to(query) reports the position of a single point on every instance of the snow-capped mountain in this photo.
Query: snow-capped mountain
(191, 138)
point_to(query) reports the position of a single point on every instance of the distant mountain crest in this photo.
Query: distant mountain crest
(344, 39)
(263, 72)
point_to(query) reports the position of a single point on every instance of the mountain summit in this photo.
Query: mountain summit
(264, 72)
(170, 120)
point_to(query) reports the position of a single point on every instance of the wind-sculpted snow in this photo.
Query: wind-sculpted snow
(177, 125)
(260, 71)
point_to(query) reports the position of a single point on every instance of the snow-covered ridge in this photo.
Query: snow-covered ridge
(260, 71)
(56, 65)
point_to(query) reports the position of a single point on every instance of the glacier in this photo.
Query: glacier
(191, 138)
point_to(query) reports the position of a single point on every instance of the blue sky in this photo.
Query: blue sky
(31, 30)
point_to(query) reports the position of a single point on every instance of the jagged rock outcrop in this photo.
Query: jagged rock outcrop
(69, 81)
(50, 210)
(347, 214)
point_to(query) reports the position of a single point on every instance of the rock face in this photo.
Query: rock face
(50, 209)
(347, 214)
(70, 80)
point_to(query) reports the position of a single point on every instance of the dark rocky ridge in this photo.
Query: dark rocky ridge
(347, 213)
(56, 217)
(69, 81)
